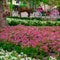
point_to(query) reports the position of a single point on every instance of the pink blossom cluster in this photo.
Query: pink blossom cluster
(54, 12)
(46, 37)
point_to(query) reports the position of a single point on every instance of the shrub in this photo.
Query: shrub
(13, 23)
(58, 19)
(34, 23)
(9, 46)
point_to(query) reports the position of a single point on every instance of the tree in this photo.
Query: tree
(51, 2)
(3, 21)
(33, 3)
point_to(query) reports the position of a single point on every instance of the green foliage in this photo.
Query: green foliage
(48, 58)
(33, 22)
(17, 48)
(0, 0)
(9, 46)
(6, 45)
(10, 6)
(45, 1)
(43, 53)
(14, 53)
(27, 18)
(34, 52)
(58, 58)
(14, 23)
(30, 51)
(1, 58)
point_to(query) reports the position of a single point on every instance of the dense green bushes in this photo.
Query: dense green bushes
(33, 22)
(31, 18)
(40, 23)
(9, 46)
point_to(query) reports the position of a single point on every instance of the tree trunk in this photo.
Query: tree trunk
(3, 22)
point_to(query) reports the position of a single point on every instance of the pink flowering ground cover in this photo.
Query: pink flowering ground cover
(46, 37)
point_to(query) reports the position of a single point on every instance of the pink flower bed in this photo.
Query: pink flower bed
(46, 37)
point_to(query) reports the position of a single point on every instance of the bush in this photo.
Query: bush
(58, 58)
(32, 18)
(9, 46)
(33, 23)
(58, 19)
(24, 18)
(13, 22)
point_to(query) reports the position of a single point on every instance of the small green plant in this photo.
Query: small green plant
(58, 58)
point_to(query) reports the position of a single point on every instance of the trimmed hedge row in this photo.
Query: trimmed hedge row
(31, 18)
(13, 22)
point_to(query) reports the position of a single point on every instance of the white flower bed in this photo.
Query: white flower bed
(13, 55)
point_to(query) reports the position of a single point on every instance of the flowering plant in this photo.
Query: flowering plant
(46, 37)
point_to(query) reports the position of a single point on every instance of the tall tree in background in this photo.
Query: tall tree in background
(27, 1)
(32, 3)
(2, 18)
(51, 2)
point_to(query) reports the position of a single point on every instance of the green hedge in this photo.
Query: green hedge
(26, 18)
(31, 18)
(13, 22)
(40, 23)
